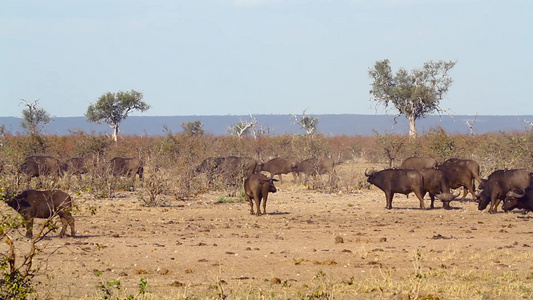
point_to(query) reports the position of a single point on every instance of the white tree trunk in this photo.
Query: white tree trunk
(412, 128)
(115, 132)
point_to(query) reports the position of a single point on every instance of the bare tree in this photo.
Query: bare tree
(243, 128)
(307, 123)
(32, 116)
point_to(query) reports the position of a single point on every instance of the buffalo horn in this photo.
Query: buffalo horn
(519, 193)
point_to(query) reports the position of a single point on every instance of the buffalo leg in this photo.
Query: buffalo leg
(388, 197)
(29, 228)
(251, 205)
(257, 201)
(67, 220)
(64, 227)
(421, 198)
(265, 204)
(494, 205)
(446, 204)
(280, 178)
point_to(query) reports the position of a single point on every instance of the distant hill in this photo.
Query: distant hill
(330, 125)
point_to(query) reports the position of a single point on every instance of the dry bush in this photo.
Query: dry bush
(173, 158)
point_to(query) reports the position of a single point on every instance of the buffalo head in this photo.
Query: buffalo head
(512, 198)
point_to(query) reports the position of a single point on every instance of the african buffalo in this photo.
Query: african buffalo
(403, 181)
(35, 166)
(471, 164)
(314, 167)
(228, 166)
(418, 163)
(129, 167)
(436, 184)
(519, 198)
(209, 164)
(238, 166)
(74, 166)
(32, 204)
(499, 183)
(279, 166)
(257, 186)
(459, 176)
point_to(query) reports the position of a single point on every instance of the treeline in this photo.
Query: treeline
(494, 150)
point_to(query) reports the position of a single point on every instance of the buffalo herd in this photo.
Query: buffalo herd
(418, 175)
(421, 175)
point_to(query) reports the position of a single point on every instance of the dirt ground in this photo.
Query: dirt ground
(310, 245)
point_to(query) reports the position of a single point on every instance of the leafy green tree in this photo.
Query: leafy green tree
(415, 93)
(112, 108)
(32, 116)
(193, 128)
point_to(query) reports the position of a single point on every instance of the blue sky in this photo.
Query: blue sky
(235, 57)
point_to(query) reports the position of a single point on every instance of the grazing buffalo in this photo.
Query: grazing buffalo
(129, 167)
(418, 163)
(75, 166)
(35, 166)
(257, 186)
(314, 167)
(499, 183)
(403, 181)
(519, 198)
(436, 184)
(32, 204)
(459, 176)
(279, 166)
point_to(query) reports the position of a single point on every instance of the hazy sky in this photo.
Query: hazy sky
(234, 57)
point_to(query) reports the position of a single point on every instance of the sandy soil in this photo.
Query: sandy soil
(310, 245)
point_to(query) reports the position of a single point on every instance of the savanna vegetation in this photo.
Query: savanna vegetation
(170, 163)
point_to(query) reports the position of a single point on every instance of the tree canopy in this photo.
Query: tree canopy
(193, 128)
(112, 108)
(415, 93)
(32, 116)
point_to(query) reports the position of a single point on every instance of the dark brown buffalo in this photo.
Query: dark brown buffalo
(257, 186)
(471, 164)
(35, 166)
(32, 204)
(228, 165)
(459, 176)
(418, 163)
(75, 166)
(403, 181)
(499, 183)
(436, 184)
(279, 166)
(519, 198)
(127, 166)
(313, 167)
(209, 164)
(238, 166)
